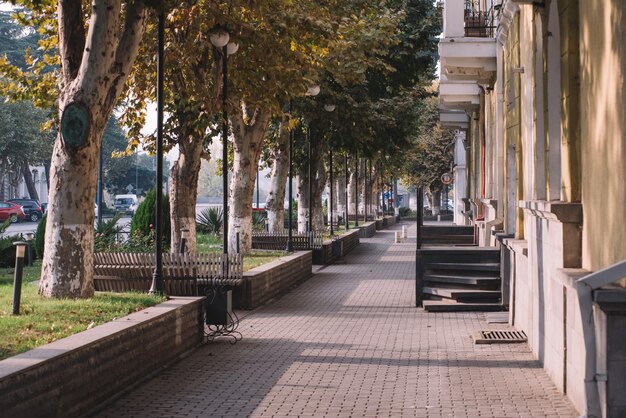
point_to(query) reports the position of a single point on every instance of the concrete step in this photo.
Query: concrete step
(452, 306)
(464, 266)
(465, 295)
(480, 281)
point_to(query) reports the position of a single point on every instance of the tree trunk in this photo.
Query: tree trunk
(94, 71)
(28, 180)
(319, 184)
(351, 195)
(247, 145)
(183, 193)
(436, 201)
(340, 196)
(303, 198)
(275, 202)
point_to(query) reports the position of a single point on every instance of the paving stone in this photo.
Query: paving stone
(350, 343)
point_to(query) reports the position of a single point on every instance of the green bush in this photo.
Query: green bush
(210, 221)
(40, 236)
(107, 232)
(404, 211)
(7, 250)
(142, 224)
(4, 225)
(258, 220)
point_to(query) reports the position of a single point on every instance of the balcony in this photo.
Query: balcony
(468, 48)
(454, 119)
(458, 96)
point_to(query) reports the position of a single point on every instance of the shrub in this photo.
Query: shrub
(258, 220)
(40, 236)
(106, 238)
(210, 221)
(4, 225)
(142, 224)
(7, 250)
(404, 211)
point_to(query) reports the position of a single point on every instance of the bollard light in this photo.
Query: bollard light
(29, 236)
(184, 236)
(20, 251)
(237, 227)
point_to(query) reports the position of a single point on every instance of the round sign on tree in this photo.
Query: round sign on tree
(446, 178)
(75, 124)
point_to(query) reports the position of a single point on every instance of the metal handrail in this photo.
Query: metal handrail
(479, 23)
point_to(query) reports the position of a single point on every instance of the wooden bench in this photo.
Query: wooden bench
(278, 241)
(183, 274)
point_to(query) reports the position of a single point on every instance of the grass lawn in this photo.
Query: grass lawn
(42, 321)
(208, 243)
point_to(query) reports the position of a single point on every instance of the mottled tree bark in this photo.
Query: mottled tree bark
(94, 71)
(319, 184)
(248, 135)
(275, 202)
(302, 182)
(28, 180)
(183, 193)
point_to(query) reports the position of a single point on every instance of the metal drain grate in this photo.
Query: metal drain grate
(499, 337)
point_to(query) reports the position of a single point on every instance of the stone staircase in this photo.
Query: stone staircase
(447, 235)
(458, 278)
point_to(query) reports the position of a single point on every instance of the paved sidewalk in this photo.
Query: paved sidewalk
(350, 343)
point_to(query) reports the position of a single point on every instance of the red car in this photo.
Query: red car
(11, 211)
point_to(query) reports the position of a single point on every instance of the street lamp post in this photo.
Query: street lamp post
(312, 91)
(347, 202)
(290, 232)
(220, 39)
(309, 227)
(330, 108)
(356, 189)
(157, 277)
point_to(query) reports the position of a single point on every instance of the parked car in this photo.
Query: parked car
(126, 203)
(32, 208)
(11, 211)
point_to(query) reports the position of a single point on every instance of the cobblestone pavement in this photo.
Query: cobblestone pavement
(350, 343)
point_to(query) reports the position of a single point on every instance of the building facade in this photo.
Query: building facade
(537, 93)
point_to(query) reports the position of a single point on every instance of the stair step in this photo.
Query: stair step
(463, 280)
(464, 295)
(464, 266)
(452, 306)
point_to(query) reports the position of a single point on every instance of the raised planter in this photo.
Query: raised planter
(368, 230)
(72, 376)
(265, 282)
(385, 222)
(325, 255)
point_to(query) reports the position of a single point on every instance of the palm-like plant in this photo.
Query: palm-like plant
(210, 221)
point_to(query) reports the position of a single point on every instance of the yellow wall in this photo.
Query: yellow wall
(603, 131)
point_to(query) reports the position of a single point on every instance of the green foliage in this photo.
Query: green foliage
(142, 224)
(404, 211)
(210, 221)
(40, 237)
(107, 234)
(7, 250)
(4, 225)
(258, 220)
(433, 151)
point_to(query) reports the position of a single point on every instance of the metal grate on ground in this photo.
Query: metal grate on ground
(499, 337)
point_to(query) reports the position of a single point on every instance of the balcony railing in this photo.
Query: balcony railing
(480, 19)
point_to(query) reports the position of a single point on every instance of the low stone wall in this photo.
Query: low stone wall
(272, 279)
(368, 230)
(385, 222)
(325, 255)
(74, 375)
